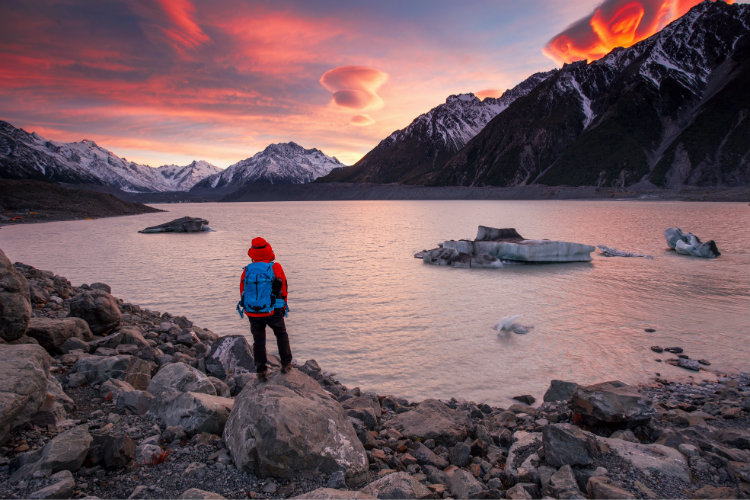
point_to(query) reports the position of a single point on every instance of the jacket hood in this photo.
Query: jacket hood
(260, 250)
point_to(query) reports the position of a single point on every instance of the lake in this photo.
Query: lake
(366, 310)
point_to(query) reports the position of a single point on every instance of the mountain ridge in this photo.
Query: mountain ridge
(621, 120)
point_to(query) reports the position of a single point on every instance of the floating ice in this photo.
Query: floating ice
(613, 252)
(508, 324)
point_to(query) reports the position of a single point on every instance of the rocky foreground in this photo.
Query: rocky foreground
(101, 398)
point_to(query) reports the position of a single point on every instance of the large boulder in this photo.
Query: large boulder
(66, 451)
(51, 333)
(181, 225)
(24, 373)
(98, 308)
(433, 419)
(397, 485)
(179, 377)
(289, 426)
(193, 411)
(15, 301)
(463, 484)
(612, 402)
(230, 355)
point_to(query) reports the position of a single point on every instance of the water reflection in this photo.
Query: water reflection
(367, 310)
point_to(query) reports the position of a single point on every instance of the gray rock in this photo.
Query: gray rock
(397, 485)
(98, 308)
(560, 390)
(99, 369)
(62, 486)
(433, 419)
(523, 440)
(135, 401)
(111, 450)
(222, 389)
(365, 407)
(427, 456)
(460, 454)
(612, 402)
(181, 225)
(201, 494)
(337, 480)
(55, 406)
(15, 301)
(603, 487)
(563, 484)
(332, 494)
(74, 344)
(651, 458)
(147, 453)
(521, 491)
(132, 335)
(179, 377)
(51, 333)
(101, 286)
(229, 356)
(66, 451)
(568, 444)
(463, 484)
(290, 426)
(110, 341)
(24, 372)
(194, 412)
(138, 373)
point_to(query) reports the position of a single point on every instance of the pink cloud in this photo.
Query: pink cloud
(361, 120)
(355, 87)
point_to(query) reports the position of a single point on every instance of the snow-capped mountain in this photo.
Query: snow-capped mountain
(183, 178)
(671, 110)
(30, 156)
(432, 138)
(283, 163)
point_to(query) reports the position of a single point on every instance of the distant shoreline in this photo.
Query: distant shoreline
(34, 201)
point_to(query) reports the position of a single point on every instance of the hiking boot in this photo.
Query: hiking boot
(262, 376)
(286, 368)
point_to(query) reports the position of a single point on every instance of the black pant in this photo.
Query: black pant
(258, 329)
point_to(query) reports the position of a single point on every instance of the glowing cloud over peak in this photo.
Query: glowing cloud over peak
(355, 87)
(615, 23)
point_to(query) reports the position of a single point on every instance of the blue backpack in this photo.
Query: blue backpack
(258, 296)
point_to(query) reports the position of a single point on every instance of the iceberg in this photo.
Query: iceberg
(690, 244)
(493, 246)
(613, 252)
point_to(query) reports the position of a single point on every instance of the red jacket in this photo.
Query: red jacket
(278, 271)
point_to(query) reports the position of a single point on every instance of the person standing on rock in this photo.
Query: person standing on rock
(263, 292)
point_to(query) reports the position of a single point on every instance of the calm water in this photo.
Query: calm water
(381, 320)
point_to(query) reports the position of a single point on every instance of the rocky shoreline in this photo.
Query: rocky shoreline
(100, 398)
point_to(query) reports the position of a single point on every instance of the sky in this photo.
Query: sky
(171, 81)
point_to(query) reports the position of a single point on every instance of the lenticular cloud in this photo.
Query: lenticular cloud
(355, 87)
(615, 23)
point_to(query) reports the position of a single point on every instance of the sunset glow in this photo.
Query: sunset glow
(615, 23)
(171, 81)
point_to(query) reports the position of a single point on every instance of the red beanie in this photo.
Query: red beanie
(260, 250)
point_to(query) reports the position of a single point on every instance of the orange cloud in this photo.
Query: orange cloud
(184, 31)
(483, 94)
(615, 23)
(362, 120)
(355, 87)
